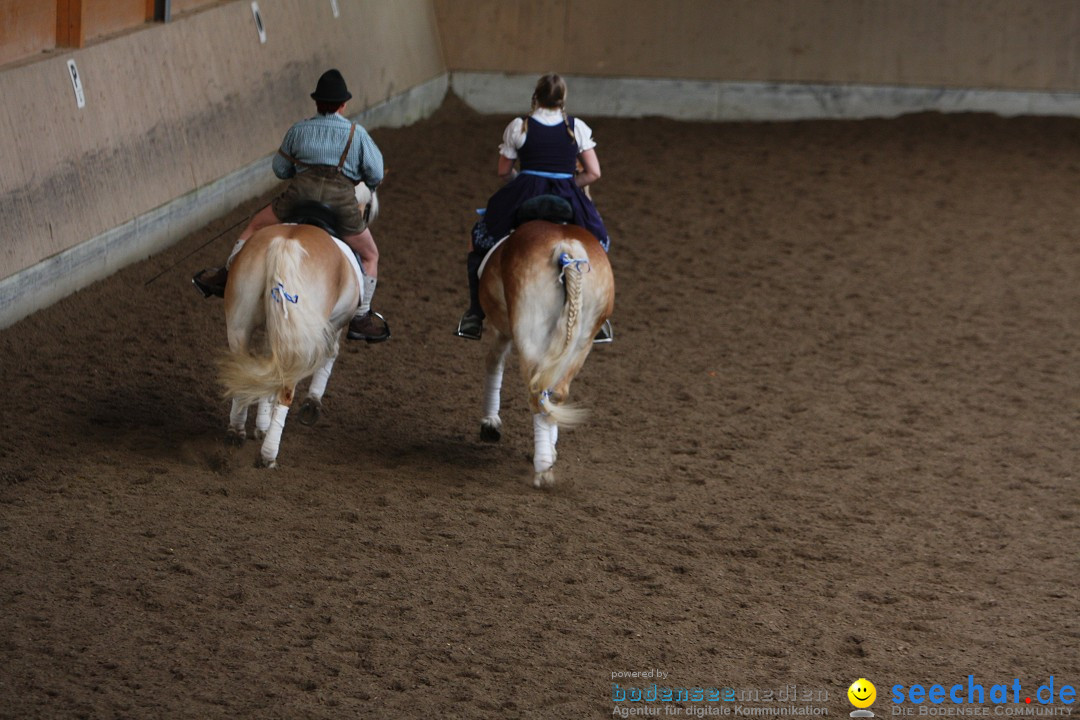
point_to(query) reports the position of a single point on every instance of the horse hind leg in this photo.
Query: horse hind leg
(272, 442)
(311, 409)
(545, 434)
(241, 315)
(262, 417)
(551, 411)
(237, 424)
(495, 364)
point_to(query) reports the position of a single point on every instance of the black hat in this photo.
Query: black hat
(331, 88)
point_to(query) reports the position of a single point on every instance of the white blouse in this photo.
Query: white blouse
(514, 135)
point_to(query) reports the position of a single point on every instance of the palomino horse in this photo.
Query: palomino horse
(302, 285)
(547, 290)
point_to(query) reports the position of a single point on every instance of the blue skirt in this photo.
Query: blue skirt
(498, 219)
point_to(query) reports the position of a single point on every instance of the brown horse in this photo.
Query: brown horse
(547, 290)
(303, 286)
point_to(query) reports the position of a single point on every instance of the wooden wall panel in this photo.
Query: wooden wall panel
(27, 27)
(177, 106)
(989, 44)
(105, 17)
(180, 7)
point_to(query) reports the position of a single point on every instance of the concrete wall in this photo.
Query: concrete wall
(170, 111)
(987, 44)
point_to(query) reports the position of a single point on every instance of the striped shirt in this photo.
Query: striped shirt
(320, 140)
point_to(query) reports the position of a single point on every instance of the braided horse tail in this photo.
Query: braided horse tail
(560, 361)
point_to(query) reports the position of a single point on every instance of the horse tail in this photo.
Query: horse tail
(569, 260)
(299, 336)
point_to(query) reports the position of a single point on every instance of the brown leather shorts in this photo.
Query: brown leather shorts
(328, 186)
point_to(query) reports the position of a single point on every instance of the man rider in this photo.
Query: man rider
(325, 157)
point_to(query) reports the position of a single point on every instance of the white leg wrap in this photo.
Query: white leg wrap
(238, 416)
(493, 391)
(262, 417)
(273, 435)
(554, 435)
(319, 380)
(544, 450)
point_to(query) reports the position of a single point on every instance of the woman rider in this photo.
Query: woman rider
(549, 146)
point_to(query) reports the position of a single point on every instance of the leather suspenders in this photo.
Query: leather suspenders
(341, 161)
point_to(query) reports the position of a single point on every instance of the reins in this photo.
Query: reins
(175, 264)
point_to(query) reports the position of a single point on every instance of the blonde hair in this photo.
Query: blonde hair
(550, 93)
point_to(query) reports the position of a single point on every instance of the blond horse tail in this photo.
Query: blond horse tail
(569, 258)
(300, 338)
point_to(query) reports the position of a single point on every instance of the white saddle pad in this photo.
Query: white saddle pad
(483, 263)
(355, 265)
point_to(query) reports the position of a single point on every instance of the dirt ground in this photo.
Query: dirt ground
(836, 437)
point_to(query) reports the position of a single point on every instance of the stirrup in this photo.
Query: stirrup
(372, 338)
(605, 334)
(468, 330)
(205, 288)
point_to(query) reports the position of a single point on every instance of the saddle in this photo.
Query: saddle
(310, 212)
(314, 213)
(544, 207)
(551, 208)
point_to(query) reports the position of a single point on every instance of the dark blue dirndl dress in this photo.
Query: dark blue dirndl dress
(548, 160)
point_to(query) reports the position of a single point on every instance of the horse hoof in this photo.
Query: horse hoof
(259, 434)
(544, 479)
(235, 438)
(310, 412)
(491, 430)
(267, 464)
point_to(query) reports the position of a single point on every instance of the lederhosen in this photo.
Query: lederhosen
(326, 184)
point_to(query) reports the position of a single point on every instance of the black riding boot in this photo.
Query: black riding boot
(212, 285)
(471, 325)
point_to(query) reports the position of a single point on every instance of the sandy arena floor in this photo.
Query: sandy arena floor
(836, 437)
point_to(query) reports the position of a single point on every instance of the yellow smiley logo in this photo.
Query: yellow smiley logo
(862, 693)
